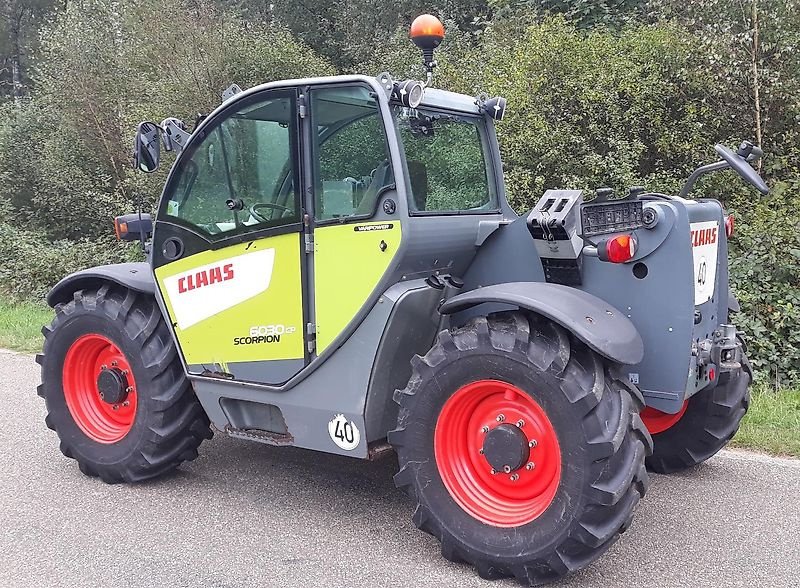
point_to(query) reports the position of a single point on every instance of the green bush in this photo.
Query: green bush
(765, 272)
(32, 265)
(65, 152)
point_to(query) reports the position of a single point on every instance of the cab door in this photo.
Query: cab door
(227, 243)
(355, 237)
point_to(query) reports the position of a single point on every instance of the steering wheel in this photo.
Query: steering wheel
(253, 210)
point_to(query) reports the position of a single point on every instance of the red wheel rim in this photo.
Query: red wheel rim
(502, 499)
(99, 420)
(658, 422)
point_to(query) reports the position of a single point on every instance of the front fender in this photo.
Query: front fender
(136, 276)
(602, 327)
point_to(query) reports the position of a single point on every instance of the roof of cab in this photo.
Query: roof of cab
(433, 96)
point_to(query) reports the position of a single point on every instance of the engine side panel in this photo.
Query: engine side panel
(661, 304)
(332, 399)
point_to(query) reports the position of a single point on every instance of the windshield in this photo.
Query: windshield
(447, 163)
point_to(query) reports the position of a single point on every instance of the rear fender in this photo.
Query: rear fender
(602, 327)
(135, 276)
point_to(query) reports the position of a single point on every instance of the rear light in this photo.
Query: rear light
(729, 226)
(617, 250)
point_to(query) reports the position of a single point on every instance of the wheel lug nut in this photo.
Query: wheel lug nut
(520, 423)
(514, 477)
(102, 395)
(484, 429)
(530, 466)
(124, 372)
(493, 471)
(480, 450)
(532, 443)
(129, 389)
(104, 367)
(126, 403)
(114, 363)
(115, 407)
(507, 469)
(501, 418)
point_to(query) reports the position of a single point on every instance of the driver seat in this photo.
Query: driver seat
(382, 177)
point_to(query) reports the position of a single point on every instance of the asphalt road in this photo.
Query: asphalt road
(246, 515)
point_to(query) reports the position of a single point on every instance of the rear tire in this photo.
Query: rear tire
(153, 422)
(708, 422)
(590, 451)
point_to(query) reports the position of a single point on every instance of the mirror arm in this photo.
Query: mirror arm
(701, 171)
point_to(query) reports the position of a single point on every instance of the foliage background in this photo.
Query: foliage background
(601, 93)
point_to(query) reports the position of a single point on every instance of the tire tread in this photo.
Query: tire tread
(709, 423)
(177, 425)
(619, 477)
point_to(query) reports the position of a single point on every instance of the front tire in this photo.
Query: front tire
(524, 453)
(115, 390)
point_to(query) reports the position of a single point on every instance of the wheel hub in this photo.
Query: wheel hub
(112, 385)
(497, 453)
(506, 448)
(99, 388)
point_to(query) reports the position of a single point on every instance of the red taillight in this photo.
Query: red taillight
(619, 249)
(729, 222)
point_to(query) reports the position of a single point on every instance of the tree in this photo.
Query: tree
(104, 66)
(751, 47)
(349, 32)
(586, 14)
(19, 26)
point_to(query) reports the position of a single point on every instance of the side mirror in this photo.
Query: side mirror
(147, 147)
(739, 164)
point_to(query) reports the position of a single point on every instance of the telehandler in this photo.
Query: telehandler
(333, 265)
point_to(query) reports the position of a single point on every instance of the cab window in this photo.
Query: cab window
(243, 175)
(448, 168)
(351, 158)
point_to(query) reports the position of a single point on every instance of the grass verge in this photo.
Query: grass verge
(772, 424)
(21, 324)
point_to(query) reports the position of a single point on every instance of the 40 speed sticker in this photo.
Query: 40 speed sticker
(344, 433)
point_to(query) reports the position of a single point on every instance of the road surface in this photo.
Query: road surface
(247, 515)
